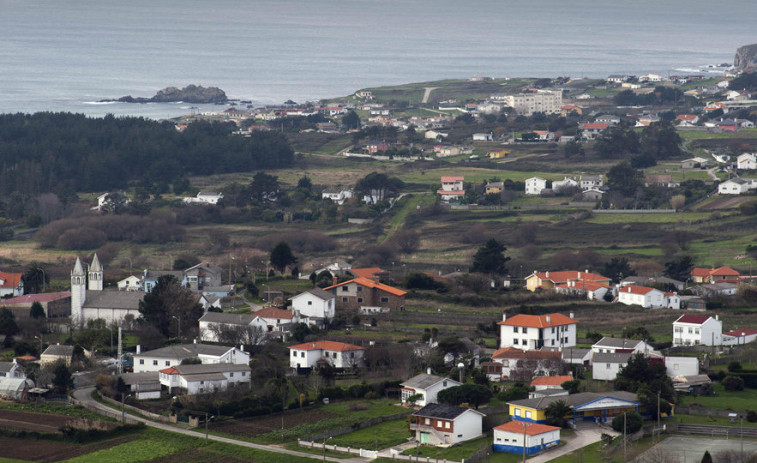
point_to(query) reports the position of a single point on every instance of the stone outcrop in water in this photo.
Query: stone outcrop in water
(746, 57)
(188, 94)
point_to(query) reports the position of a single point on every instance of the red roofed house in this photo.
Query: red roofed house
(715, 275)
(55, 304)
(593, 290)
(523, 365)
(688, 118)
(363, 292)
(536, 331)
(11, 284)
(739, 337)
(372, 273)
(692, 330)
(549, 382)
(338, 354)
(591, 130)
(273, 319)
(649, 298)
(452, 189)
(510, 437)
(568, 278)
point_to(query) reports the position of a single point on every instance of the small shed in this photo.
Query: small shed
(510, 437)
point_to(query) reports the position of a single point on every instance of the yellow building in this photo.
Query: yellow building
(494, 188)
(498, 153)
(600, 407)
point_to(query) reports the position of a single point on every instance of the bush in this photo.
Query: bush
(633, 420)
(751, 416)
(733, 383)
(734, 366)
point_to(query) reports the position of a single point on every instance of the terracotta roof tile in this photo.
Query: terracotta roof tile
(371, 284)
(326, 345)
(550, 380)
(532, 429)
(538, 321)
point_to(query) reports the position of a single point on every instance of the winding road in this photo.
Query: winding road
(84, 396)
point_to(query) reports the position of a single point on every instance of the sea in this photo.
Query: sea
(68, 55)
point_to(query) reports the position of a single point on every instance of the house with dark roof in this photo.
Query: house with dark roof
(157, 359)
(339, 354)
(529, 332)
(692, 330)
(606, 366)
(585, 406)
(513, 436)
(11, 370)
(55, 353)
(212, 324)
(609, 345)
(427, 386)
(202, 275)
(55, 305)
(144, 386)
(361, 292)
(438, 424)
(317, 305)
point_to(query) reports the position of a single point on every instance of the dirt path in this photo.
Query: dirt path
(427, 94)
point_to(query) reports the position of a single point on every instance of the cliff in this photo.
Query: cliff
(746, 57)
(188, 94)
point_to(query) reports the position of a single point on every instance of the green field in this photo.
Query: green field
(380, 436)
(726, 400)
(457, 452)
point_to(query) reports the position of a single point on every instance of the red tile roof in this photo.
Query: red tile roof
(453, 192)
(694, 319)
(170, 371)
(550, 380)
(635, 289)
(10, 280)
(369, 272)
(371, 284)
(565, 275)
(452, 179)
(701, 272)
(32, 298)
(538, 321)
(595, 126)
(326, 345)
(724, 271)
(532, 429)
(686, 117)
(273, 312)
(737, 333)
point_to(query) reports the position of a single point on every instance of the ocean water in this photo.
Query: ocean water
(67, 55)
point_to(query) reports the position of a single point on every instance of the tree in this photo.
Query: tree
(646, 380)
(556, 413)
(660, 141)
(35, 278)
(733, 383)
(633, 420)
(706, 458)
(617, 142)
(573, 148)
(473, 394)
(679, 268)
(8, 325)
(624, 179)
(264, 188)
(170, 307)
(281, 256)
(407, 240)
(37, 311)
(351, 121)
(571, 386)
(516, 392)
(617, 268)
(62, 379)
(378, 186)
(490, 258)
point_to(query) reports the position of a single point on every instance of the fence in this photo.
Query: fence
(702, 411)
(372, 454)
(152, 416)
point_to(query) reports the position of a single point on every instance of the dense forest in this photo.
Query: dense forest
(63, 152)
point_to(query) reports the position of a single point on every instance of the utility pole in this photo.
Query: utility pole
(624, 436)
(524, 441)
(658, 416)
(206, 428)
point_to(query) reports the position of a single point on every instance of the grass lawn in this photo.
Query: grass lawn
(456, 452)
(55, 409)
(727, 400)
(709, 420)
(377, 437)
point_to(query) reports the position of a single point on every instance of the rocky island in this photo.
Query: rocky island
(189, 94)
(746, 57)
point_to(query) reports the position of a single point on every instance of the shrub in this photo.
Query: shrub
(734, 366)
(751, 416)
(733, 383)
(633, 420)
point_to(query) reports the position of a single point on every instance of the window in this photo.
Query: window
(344, 299)
(302, 354)
(517, 412)
(334, 355)
(439, 423)
(155, 362)
(294, 353)
(524, 330)
(515, 342)
(447, 424)
(360, 289)
(352, 355)
(524, 342)
(553, 329)
(168, 364)
(553, 342)
(384, 299)
(609, 365)
(344, 289)
(360, 299)
(528, 413)
(141, 361)
(515, 329)
(310, 302)
(244, 373)
(428, 421)
(231, 375)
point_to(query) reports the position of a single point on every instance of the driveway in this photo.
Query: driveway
(585, 435)
(84, 395)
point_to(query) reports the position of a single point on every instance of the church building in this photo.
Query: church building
(89, 301)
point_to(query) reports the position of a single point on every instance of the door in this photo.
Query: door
(425, 438)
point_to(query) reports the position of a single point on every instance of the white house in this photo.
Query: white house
(11, 284)
(205, 197)
(536, 331)
(691, 330)
(271, 319)
(437, 424)
(590, 182)
(317, 305)
(734, 186)
(158, 359)
(427, 386)
(535, 185)
(605, 367)
(518, 364)
(130, 283)
(55, 353)
(144, 386)
(739, 337)
(746, 161)
(620, 346)
(566, 183)
(338, 354)
(509, 437)
(452, 188)
(214, 323)
(338, 195)
(11, 370)
(682, 366)
(641, 295)
(483, 137)
(197, 379)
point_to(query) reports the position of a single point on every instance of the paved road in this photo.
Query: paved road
(428, 93)
(84, 395)
(585, 435)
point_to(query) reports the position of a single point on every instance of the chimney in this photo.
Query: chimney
(241, 347)
(717, 317)
(572, 315)
(139, 349)
(334, 280)
(504, 316)
(194, 341)
(547, 274)
(586, 270)
(549, 319)
(428, 370)
(579, 275)
(313, 345)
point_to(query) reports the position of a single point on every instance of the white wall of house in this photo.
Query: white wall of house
(605, 371)
(690, 334)
(652, 299)
(682, 366)
(202, 386)
(527, 338)
(468, 426)
(310, 305)
(303, 358)
(535, 185)
(516, 439)
(730, 187)
(429, 394)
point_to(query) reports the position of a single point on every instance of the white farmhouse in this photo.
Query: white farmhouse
(566, 183)
(338, 354)
(682, 366)
(437, 424)
(605, 367)
(197, 379)
(620, 346)
(641, 295)
(692, 330)
(535, 185)
(204, 197)
(317, 305)
(452, 188)
(158, 359)
(746, 161)
(130, 283)
(536, 331)
(739, 337)
(734, 186)
(427, 386)
(338, 195)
